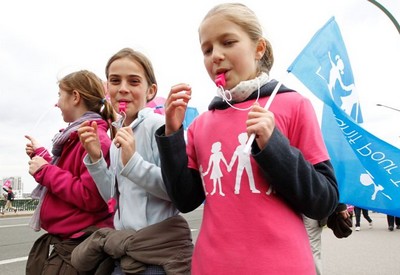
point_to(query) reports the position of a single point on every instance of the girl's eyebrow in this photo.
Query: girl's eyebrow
(129, 75)
(224, 35)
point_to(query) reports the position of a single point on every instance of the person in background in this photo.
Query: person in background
(350, 209)
(248, 229)
(156, 238)
(357, 213)
(314, 231)
(392, 220)
(10, 198)
(70, 206)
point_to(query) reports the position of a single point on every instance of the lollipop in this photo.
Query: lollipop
(220, 80)
(120, 121)
(122, 107)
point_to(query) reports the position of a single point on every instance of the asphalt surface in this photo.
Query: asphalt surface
(16, 214)
(372, 251)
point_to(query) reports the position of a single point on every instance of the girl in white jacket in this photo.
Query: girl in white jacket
(133, 182)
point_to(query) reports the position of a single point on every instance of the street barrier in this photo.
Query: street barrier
(21, 204)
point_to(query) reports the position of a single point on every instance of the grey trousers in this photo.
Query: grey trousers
(314, 232)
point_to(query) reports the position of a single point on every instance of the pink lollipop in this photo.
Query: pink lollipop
(122, 115)
(122, 107)
(220, 80)
(112, 202)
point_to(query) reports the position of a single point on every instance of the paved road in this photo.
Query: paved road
(16, 239)
(373, 251)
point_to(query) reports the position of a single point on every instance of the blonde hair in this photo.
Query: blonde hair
(245, 18)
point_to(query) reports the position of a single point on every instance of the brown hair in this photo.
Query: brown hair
(91, 89)
(245, 18)
(137, 57)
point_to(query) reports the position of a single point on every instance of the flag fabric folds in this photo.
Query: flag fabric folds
(158, 106)
(7, 183)
(190, 115)
(366, 167)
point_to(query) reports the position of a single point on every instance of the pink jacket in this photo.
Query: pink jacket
(72, 202)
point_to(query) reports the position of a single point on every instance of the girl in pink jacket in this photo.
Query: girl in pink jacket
(70, 206)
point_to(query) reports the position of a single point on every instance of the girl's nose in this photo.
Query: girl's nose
(217, 55)
(123, 88)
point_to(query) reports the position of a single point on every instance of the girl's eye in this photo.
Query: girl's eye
(207, 51)
(114, 81)
(229, 42)
(134, 82)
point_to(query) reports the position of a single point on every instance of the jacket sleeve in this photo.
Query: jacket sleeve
(74, 184)
(310, 189)
(101, 175)
(42, 152)
(183, 184)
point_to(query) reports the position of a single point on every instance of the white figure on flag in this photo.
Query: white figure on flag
(359, 158)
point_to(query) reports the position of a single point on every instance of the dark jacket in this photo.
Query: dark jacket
(167, 244)
(40, 262)
(10, 194)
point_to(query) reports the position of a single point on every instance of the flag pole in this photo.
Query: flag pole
(387, 13)
(381, 105)
(267, 105)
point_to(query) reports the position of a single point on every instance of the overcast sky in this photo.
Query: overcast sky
(40, 41)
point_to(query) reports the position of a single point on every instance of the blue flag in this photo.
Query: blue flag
(190, 115)
(366, 167)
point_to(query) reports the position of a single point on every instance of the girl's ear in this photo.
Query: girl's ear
(261, 48)
(76, 97)
(151, 92)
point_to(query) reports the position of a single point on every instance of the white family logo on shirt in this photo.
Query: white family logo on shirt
(217, 158)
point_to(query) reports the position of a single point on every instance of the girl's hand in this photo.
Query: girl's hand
(262, 123)
(175, 107)
(35, 164)
(345, 214)
(32, 146)
(125, 140)
(87, 133)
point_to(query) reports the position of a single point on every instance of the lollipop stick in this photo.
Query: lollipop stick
(269, 101)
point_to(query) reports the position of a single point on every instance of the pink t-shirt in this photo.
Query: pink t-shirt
(247, 228)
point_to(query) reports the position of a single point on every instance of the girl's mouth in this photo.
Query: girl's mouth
(122, 106)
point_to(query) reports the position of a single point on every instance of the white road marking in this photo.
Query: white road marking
(13, 225)
(9, 261)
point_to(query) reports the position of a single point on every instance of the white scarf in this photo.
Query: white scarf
(244, 89)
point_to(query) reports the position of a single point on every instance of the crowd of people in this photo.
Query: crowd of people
(357, 212)
(392, 221)
(112, 188)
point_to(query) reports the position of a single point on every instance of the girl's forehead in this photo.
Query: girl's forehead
(125, 65)
(216, 27)
(125, 62)
(213, 21)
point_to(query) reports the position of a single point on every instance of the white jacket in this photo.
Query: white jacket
(143, 199)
